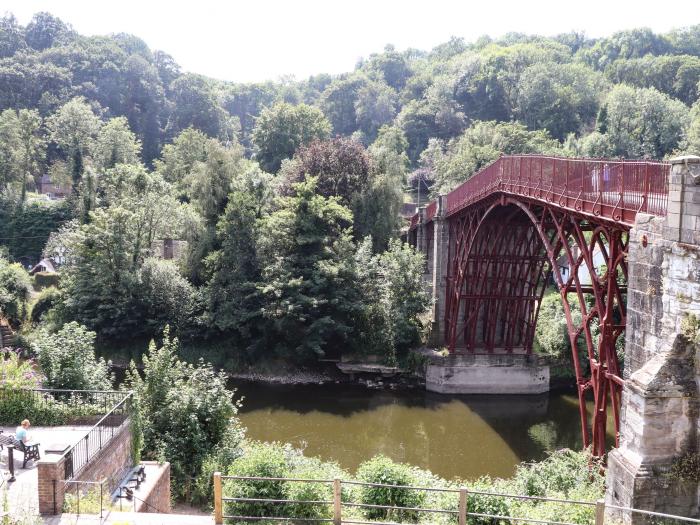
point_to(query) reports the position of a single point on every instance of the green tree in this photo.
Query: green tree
(375, 106)
(283, 128)
(116, 144)
(102, 278)
(196, 104)
(67, 359)
(74, 128)
(45, 30)
(692, 140)
(179, 158)
(644, 123)
(15, 288)
(306, 263)
(233, 302)
(11, 36)
(338, 102)
(481, 144)
(185, 410)
(32, 147)
(560, 98)
(9, 149)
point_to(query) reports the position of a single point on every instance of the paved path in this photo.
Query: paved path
(130, 518)
(22, 494)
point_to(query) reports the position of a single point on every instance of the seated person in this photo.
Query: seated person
(21, 434)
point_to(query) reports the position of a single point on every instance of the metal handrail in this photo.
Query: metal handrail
(635, 185)
(652, 513)
(536, 498)
(259, 478)
(462, 513)
(71, 470)
(409, 487)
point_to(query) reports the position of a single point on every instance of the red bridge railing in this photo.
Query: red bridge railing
(615, 190)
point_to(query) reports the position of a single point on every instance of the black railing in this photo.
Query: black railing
(80, 454)
(50, 407)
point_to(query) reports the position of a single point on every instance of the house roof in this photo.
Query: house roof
(46, 263)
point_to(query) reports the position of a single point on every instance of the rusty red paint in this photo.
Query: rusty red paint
(513, 227)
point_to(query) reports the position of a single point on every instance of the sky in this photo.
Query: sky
(257, 40)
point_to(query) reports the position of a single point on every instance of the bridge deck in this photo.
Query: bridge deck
(614, 190)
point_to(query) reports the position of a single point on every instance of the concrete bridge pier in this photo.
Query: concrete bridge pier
(656, 466)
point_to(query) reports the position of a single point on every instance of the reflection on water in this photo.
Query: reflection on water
(453, 436)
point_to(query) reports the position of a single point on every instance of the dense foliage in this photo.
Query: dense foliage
(564, 474)
(67, 359)
(184, 411)
(15, 287)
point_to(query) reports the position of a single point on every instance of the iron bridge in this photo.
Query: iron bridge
(527, 221)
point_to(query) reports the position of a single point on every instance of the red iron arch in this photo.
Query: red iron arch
(499, 252)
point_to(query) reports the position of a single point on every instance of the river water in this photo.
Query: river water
(452, 436)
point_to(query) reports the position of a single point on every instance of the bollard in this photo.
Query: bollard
(11, 462)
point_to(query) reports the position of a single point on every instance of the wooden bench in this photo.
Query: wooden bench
(30, 450)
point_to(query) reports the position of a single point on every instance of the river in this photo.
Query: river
(452, 436)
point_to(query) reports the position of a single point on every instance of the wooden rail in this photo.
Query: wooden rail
(462, 512)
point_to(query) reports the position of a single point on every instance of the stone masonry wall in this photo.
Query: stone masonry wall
(661, 403)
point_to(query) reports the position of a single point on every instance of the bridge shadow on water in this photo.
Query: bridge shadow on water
(453, 436)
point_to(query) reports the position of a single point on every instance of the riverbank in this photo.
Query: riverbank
(366, 371)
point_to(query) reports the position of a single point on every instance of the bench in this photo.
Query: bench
(30, 450)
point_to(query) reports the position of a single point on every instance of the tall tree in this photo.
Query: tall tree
(116, 144)
(74, 128)
(32, 147)
(306, 261)
(281, 129)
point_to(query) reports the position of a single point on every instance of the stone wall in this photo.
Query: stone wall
(110, 464)
(155, 494)
(660, 420)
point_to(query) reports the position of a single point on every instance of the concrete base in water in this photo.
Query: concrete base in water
(487, 374)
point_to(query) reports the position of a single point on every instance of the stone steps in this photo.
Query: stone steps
(7, 336)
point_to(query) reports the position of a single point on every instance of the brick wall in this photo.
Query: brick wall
(156, 497)
(111, 463)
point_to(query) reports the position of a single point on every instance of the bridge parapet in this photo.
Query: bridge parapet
(661, 404)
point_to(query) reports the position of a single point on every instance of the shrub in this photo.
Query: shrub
(16, 405)
(16, 373)
(381, 469)
(483, 504)
(68, 360)
(47, 299)
(45, 280)
(185, 412)
(88, 501)
(562, 472)
(15, 286)
(259, 460)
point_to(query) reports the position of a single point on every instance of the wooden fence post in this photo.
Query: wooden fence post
(463, 506)
(218, 503)
(600, 512)
(337, 518)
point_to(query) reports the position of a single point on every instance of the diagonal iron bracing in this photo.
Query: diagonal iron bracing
(525, 221)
